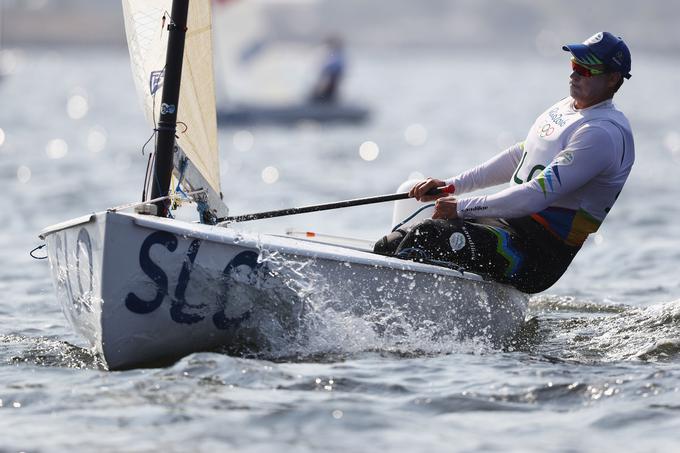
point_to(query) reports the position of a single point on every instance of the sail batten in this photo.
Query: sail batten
(145, 22)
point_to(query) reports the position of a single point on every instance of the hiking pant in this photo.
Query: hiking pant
(518, 252)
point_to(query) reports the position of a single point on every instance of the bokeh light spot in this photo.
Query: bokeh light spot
(96, 139)
(23, 174)
(243, 141)
(77, 106)
(56, 148)
(369, 151)
(270, 175)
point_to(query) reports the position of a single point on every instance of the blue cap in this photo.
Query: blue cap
(603, 48)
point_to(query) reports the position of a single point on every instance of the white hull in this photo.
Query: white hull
(144, 290)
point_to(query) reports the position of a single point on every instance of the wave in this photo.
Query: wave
(565, 328)
(42, 351)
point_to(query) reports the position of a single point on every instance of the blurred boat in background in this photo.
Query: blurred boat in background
(240, 114)
(264, 80)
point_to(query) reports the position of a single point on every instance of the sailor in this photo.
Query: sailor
(327, 85)
(563, 180)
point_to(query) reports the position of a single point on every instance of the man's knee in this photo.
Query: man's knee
(431, 231)
(387, 245)
(430, 236)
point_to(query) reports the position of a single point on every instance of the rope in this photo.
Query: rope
(35, 250)
(412, 216)
(147, 176)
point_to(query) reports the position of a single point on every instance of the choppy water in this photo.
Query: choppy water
(596, 366)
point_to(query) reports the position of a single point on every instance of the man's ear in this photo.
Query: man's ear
(614, 79)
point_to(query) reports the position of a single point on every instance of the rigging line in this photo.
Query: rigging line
(146, 177)
(153, 134)
(166, 197)
(158, 183)
(412, 216)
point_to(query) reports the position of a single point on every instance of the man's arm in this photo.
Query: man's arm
(589, 152)
(497, 170)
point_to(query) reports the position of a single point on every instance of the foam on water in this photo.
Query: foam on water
(46, 352)
(336, 323)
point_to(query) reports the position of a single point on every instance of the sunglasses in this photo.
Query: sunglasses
(585, 70)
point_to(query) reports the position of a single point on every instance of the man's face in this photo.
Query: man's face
(589, 85)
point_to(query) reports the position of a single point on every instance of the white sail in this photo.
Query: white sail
(147, 37)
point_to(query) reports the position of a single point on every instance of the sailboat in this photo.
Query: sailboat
(144, 288)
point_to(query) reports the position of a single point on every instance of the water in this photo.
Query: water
(596, 366)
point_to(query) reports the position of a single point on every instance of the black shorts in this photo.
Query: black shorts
(519, 252)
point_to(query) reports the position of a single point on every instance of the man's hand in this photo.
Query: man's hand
(445, 208)
(419, 190)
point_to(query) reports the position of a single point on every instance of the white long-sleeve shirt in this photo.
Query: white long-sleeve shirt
(566, 174)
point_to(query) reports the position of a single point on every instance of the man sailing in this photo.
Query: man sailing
(564, 178)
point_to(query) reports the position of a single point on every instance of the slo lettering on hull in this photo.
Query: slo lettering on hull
(181, 311)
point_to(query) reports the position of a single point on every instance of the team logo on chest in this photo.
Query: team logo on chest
(546, 130)
(554, 120)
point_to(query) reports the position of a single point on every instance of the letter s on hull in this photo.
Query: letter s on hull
(133, 302)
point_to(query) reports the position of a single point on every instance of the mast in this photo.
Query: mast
(167, 123)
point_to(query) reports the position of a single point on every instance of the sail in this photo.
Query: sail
(147, 36)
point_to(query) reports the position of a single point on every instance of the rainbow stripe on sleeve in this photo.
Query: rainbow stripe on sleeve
(546, 179)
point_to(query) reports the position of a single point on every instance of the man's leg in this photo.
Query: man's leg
(387, 245)
(486, 246)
